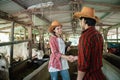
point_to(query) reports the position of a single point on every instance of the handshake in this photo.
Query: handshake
(71, 58)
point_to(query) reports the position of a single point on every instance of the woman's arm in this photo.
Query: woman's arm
(69, 58)
(54, 47)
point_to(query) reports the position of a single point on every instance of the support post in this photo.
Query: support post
(30, 42)
(12, 45)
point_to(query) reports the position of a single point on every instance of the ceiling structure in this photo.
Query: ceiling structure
(40, 13)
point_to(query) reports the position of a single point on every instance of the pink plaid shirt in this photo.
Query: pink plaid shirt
(55, 56)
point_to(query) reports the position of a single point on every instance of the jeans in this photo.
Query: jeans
(64, 74)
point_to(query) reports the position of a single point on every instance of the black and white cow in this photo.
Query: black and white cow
(4, 72)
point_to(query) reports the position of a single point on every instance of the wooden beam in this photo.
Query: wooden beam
(5, 22)
(109, 10)
(43, 18)
(114, 26)
(30, 42)
(11, 46)
(39, 16)
(69, 11)
(18, 18)
(112, 21)
(14, 33)
(4, 32)
(8, 27)
(30, 16)
(101, 24)
(5, 28)
(4, 15)
(20, 3)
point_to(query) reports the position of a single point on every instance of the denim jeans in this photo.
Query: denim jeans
(64, 74)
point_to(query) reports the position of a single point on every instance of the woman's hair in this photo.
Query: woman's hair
(53, 33)
(89, 21)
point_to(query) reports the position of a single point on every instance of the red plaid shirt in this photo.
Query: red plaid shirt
(90, 51)
(55, 55)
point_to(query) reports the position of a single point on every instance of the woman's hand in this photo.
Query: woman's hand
(70, 58)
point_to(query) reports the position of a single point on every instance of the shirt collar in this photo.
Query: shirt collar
(88, 29)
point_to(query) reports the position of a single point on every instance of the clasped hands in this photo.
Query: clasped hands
(72, 58)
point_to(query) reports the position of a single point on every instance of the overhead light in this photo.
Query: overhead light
(41, 5)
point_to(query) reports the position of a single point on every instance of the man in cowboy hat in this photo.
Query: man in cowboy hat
(90, 48)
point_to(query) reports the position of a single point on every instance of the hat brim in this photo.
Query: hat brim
(52, 27)
(79, 14)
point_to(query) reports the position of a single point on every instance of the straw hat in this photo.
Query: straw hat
(53, 25)
(86, 12)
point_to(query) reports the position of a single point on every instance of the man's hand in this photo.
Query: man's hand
(71, 58)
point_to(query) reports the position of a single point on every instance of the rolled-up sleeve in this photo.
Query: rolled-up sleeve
(54, 48)
(83, 54)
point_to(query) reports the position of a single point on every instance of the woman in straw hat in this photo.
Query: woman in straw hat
(90, 48)
(58, 61)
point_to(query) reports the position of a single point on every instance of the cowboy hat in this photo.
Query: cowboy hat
(53, 25)
(86, 12)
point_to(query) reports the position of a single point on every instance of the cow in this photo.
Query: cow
(4, 70)
(20, 51)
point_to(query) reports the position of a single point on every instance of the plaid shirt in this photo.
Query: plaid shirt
(90, 51)
(55, 55)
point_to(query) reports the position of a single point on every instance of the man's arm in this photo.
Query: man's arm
(80, 75)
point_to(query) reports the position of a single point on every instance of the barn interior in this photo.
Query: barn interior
(24, 35)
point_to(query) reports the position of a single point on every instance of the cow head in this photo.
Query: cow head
(3, 63)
